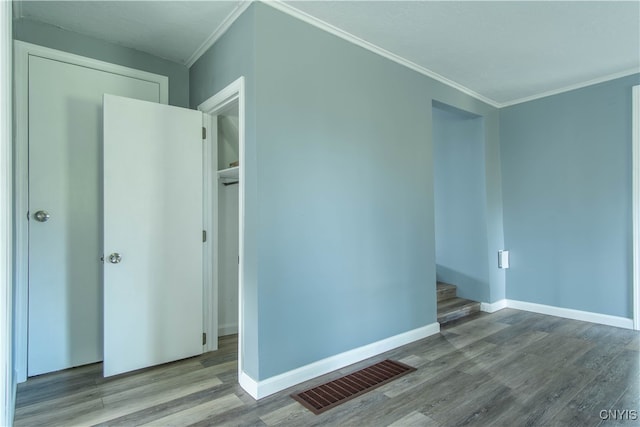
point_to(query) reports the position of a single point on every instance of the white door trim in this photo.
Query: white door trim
(210, 107)
(635, 188)
(22, 51)
(209, 224)
(7, 380)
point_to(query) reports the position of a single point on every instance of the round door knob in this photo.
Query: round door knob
(115, 258)
(42, 216)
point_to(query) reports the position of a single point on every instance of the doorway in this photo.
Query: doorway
(228, 219)
(64, 325)
(228, 102)
(462, 257)
(224, 190)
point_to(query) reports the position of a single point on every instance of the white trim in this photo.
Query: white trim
(492, 307)
(218, 32)
(318, 23)
(568, 313)
(22, 51)
(264, 388)
(635, 197)
(21, 195)
(223, 98)
(571, 87)
(248, 384)
(12, 401)
(209, 224)
(231, 93)
(7, 373)
(325, 26)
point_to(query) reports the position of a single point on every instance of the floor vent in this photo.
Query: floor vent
(333, 393)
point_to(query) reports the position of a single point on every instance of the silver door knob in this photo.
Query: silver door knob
(42, 216)
(115, 258)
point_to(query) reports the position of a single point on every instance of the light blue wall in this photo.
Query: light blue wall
(68, 41)
(346, 209)
(460, 202)
(346, 252)
(339, 221)
(566, 164)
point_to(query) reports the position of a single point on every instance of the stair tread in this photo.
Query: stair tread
(456, 308)
(454, 303)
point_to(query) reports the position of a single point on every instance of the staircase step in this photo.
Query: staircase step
(445, 291)
(455, 308)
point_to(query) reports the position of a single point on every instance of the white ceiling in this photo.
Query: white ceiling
(172, 30)
(504, 51)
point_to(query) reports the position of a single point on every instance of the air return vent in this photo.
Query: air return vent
(333, 393)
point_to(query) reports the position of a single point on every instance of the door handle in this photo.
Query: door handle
(115, 258)
(42, 216)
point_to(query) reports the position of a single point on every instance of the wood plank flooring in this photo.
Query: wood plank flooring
(510, 368)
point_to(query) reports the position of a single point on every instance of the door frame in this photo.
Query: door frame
(22, 52)
(7, 380)
(635, 197)
(210, 108)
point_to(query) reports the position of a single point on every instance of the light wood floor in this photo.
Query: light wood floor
(509, 368)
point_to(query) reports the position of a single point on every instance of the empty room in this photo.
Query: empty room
(386, 213)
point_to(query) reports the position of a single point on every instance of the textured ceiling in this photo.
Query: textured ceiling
(505, 50)
(172, 30)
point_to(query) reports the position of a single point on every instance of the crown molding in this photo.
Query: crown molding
(218, 32)
(318, 23)
(325, 26)
(564, 89)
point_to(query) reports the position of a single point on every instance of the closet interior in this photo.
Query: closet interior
(227, 219)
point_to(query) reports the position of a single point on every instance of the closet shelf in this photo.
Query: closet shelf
(229, 173)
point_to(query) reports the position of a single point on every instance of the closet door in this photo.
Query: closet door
(65, 209)
(153, 281)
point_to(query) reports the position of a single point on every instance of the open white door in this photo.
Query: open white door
(65, 203)
(152, 234)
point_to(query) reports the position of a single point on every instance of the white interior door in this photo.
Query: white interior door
(153, 281)
(65, 160)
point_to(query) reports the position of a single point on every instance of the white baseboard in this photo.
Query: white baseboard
(9, 400)
(12, 406)
(567, 313)
(248, 384)
(228, 329)
(264, 388)
(492, 307)
(585, 316)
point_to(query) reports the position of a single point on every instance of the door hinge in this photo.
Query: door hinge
(204, 338)
(204, 132)
(204, 235)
